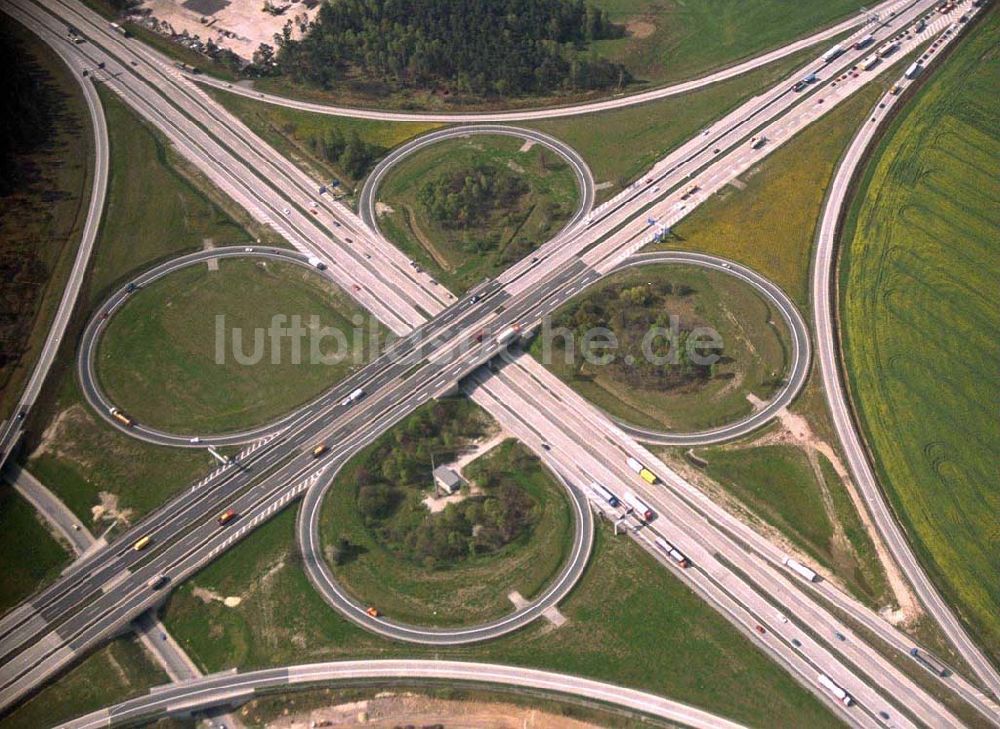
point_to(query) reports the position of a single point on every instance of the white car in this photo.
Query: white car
(248, 249)
(196, 439)
(286, 211)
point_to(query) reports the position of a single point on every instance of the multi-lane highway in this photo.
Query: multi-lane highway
(43, 635)
(882, 10)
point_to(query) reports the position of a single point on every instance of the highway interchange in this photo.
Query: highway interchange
(522, 395)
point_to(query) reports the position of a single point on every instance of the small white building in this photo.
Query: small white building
(447, 481)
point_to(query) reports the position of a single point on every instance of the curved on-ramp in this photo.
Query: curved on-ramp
(222, 689)
(584, 177)
(553, 112)
(798, 369)
(322, 578)
(87, 355)
(824, 303)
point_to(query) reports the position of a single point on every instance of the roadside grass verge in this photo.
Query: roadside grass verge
(292, 132)
(462, 257)
(42, 218)
(918, 261)
(808, 504)
(753, 360)
(153, 212)
(620, 145)
(116, 672)
(31, 556)
(158, 357)
(630, 621)
(769, 225)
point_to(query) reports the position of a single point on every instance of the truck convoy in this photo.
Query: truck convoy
(800, 568)
(639, 506)
(644, 473)
(121, 417)
(827, 683)
(353, 397)
(929, 662)
(675, 554)
(604, 495)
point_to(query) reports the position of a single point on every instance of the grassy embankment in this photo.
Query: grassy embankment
(158, 357)
(153, 212)
(388, 565)
(919, 261)
(30, 556)
(462, 257)
(629, 621)
(42, 217)
(752, 360)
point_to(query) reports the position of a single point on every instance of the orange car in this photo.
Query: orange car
(225, 517)
(372, 611)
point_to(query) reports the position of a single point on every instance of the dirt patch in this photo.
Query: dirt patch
(639, 28)
(54, 434)
(389, 709)
(515, 167)
(107, 509)
(382, 208)
(528, 144)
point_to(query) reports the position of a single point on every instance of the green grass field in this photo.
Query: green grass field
(153, 212)
(472, 590)
(671, 40)
(629, 621)
(42, 219)
(769, 225)
(29, 554)
(159, 356)
(449, 252)
(754, 357)
(114, 673)
(919, 324)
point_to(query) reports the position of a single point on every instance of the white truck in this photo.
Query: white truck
(827, 683)
(316, 263)
(639, 506)
(913, 71)
(801, 569)
(353, 397)
(508, 335)
(837, 50)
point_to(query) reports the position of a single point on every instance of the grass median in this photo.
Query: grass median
(918, 263)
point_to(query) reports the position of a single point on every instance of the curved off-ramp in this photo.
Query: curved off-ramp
(322, 578)
(798, 369)
(824, 292)
(554, 112)
(584, 177)
(87, 354)
(222, 689)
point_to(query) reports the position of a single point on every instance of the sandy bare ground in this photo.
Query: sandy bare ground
(389, 710)
(435, 503)
(239, 25)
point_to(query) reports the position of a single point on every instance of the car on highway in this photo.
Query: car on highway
(286, 211)
(142, 543)
(760, 629)
(840, 636)
(131, 287)
(225, 517)
(156, 581)
(372, 611)
(194, 440)
(319, 450)
(796, 642)
(248, 249)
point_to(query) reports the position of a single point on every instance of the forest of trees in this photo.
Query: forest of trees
(467, 197)
(354, 155)
(480, 47)
(396, 475)
(630, 312)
